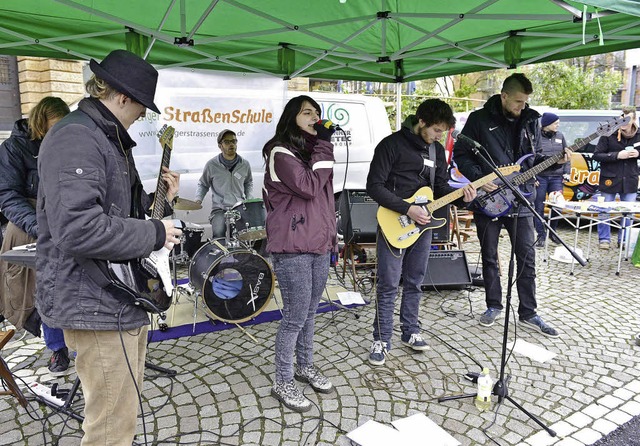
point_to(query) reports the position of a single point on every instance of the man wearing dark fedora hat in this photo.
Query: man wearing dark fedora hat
(228, 175)
(90, 210)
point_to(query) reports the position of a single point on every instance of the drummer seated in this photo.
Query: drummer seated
(229, 178)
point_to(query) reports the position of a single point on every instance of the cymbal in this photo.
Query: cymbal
(186, 205)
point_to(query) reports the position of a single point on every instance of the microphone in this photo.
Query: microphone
(456, 135)
(328, 124)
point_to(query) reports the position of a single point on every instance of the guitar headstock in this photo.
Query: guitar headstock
(165, 135)
(607, 128)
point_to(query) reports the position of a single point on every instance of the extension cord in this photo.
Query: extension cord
(44, 392)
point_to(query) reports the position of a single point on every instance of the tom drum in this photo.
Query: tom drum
(251, 224)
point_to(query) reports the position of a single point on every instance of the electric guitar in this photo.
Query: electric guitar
(148, 280)
(498, 202)
(401, 231)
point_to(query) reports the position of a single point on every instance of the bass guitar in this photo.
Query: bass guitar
(500, 201)
(148, 280)
(401, 231)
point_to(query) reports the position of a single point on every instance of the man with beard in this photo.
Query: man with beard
(508, 129)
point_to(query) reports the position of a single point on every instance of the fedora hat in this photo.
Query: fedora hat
(130, 75)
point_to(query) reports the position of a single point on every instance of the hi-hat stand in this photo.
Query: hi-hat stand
(501, 387)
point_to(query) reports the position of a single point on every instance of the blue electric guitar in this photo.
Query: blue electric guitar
(500, 201)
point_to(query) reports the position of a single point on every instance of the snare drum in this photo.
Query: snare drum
(235, 284)
(251, 224)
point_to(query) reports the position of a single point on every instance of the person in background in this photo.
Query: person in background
(228, 175)
(91, 209)
(550, 180)
(508, 129)
(402, 163)
(301, 234)
(18, 190)
(618, 157)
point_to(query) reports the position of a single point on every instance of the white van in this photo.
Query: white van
(199, 104)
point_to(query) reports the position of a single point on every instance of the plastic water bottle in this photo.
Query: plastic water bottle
(485, 388)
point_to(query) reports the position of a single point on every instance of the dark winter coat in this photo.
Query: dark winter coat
(505, 141)
(617, 176)
(88, 181)
(551, 144)
(19, 178)
(397, 170)
(298, 197)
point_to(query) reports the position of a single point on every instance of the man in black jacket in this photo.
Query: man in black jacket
(508, 129)
(402, 163)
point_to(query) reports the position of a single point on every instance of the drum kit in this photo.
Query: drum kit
(233, 282)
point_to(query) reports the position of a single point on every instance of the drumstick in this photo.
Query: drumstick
(246, 332)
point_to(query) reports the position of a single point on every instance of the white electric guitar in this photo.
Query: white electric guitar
(148, 280)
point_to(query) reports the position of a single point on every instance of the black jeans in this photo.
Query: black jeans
(488, 233)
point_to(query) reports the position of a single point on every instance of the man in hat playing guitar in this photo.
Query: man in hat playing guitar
(90, 212)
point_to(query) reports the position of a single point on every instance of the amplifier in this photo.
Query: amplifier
(446, 270)
(358, 222)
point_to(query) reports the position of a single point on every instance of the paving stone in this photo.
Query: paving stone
(569, 442)
(596, 411)
(587, 435)
(619, 417)
(579, 420)
(604, 426)
(631, 407)
(610, 401)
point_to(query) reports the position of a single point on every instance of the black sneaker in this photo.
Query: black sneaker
(540, 243)
(59, 362)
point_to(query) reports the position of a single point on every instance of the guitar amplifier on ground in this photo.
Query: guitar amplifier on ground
(446, 270)
(358, 222)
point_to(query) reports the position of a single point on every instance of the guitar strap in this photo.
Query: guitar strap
(431, 156)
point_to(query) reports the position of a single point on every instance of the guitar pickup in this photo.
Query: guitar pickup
(404, 221)
(409, 234)
(149, 266)
(421, 199)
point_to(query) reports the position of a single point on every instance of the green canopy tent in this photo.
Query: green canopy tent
(384, 40)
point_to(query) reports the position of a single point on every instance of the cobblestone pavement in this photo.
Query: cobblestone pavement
(221, 392)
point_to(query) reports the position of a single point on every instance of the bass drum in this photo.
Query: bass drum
(235, 284)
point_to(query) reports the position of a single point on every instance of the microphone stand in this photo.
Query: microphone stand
(501, 387)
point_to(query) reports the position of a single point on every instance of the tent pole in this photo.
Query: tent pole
(398, 105)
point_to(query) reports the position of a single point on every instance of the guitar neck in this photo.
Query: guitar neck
(453, 196)
(161, 188)
(535, 170)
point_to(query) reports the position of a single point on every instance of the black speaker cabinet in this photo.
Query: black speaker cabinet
(358, 222)
(443, 233)
(446, 270)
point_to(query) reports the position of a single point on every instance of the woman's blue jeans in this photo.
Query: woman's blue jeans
(302, 279)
